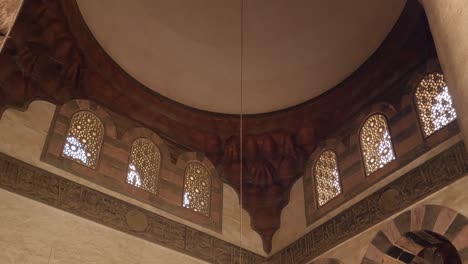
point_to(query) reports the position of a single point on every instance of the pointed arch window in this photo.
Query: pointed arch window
(84, 139)
(434, 103)
(144, 165)
(197, 188)
(327, 177)
(376, 143)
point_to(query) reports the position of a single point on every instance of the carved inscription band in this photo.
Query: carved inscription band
(37, 184)
(26, 180)
(434, 174)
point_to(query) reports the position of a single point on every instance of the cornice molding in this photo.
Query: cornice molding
(21, 178)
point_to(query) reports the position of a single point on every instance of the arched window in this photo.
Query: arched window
(327, 177)
(434, 103)
(376, 144)
(84, 139)
(197, 188)
(144, 164)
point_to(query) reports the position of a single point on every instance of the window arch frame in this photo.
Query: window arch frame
(314, 165)
(418, 110)
(210, 189)
(100, 144)
(392, 144)
(117, 147)
(158, 176)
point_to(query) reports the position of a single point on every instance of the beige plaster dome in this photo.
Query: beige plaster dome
(190, 50)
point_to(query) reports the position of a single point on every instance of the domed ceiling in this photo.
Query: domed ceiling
(190, 51)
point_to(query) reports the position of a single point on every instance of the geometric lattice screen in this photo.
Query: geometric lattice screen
(435, 106)
(197, 188)
(84, 139)
(327, 177)
(376, 144)
(144, 164)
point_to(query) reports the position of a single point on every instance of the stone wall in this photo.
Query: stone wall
(440, 211)
(406, 189)
(34, 233)
(410, 146)
(112, 165)
(408, 143)
(23, 135)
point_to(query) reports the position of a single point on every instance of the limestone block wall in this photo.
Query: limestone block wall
(407, 138)
(112, 165)
(410, 145)
(34, 233)
(293, 217)
(23, 135)
(442, 219)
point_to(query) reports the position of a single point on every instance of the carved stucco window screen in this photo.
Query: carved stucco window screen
(434, 103)
(144, 165)
(376, 143)
(84, 139)
(197, 188)
(9, 11)
(327, 177)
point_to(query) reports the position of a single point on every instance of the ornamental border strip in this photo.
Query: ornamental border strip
(29, 181)
(37, 184)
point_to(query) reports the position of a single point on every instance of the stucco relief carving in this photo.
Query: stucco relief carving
(271, 162)
(389, 200)
(53, 56)
(418, 234)
(21, 178)
(434, 174)
(34, 183)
